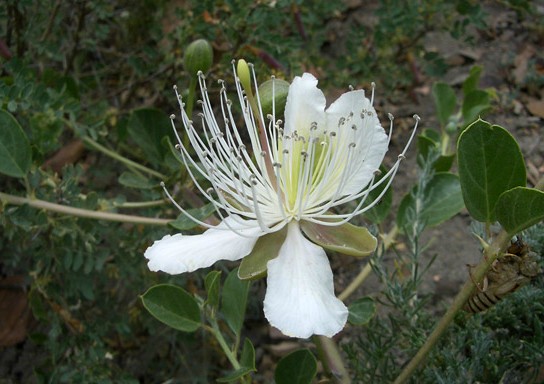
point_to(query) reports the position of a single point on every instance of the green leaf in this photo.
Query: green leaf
(445, 101)
(267, 247)
(147, 127)
(361, 311)
(212, 282)
(442, 199)
(429, 148)
(247, 362)
(132, 180)
(520, 208)
(234, 301)
(173, 306)
(183, 223)
(15, 154)
(490, 163)
(298, 367)
(475, 104)
(347, 238)
(471, 82)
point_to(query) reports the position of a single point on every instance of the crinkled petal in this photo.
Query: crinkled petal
(300, 298)
(369, 137)
(305, 105)
(178, 253)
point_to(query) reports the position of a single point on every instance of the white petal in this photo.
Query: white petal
(305, 105)
(300, 299)
(178, 253)
(370, 138)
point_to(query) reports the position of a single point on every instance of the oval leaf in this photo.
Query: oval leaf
(132, 180)
(520, 208)
(212, 282)
(298, 367)
(361, 311)
(347, 238)
(173, 306)
(442, 199)
(234, 300)
(490, 163)
(15, 155)
(253, 266)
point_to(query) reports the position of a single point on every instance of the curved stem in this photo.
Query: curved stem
(140, 204)
(491, 253)
(129, 163)
(80, 212)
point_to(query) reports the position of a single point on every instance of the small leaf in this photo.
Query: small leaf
(233, 376)
(212, 282)
(147, 127)
(132, 180)
(520, 208)
(253, 266)
(429, 149)
(445, 101)
(234, 301)
(173, 306)
(347, 238)
(361, 311)
(475, 104)
(442, 199)
(298, 367)
(15, 154)
(471, 82)
(490, 163)
(183, 223)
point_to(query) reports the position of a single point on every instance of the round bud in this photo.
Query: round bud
(242, 70)
(280, 88)
(198, 57)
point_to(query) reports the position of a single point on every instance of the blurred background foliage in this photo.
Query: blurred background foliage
(88, 78)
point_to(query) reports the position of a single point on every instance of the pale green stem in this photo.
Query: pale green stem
(129, 163)
(140, 204)
(494, 250)
(80, 212)
(189, 106)
(332, 359)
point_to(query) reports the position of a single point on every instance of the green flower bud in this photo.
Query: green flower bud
(198, 57)
(281, 88)
(242, 69)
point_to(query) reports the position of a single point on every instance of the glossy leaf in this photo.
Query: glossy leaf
(253, 266)
(173, 306)
(147, 127)
(361, 311)
(132, 180)
(298, 367)
(347, 238)
(445, 101)
(490, 163)
(15, 154)
(520, 208)
(442, 199)
(183, 223)
(234, 301)
(212, 282)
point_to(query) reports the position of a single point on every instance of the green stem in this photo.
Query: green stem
(140, 204)
(331, 359)
(223, 344)
(491, 253)
(80, 212)
(189, 107)
(129, 163)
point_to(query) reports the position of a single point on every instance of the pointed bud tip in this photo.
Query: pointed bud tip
(242, 69)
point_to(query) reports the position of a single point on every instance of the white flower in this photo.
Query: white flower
(290, 178)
